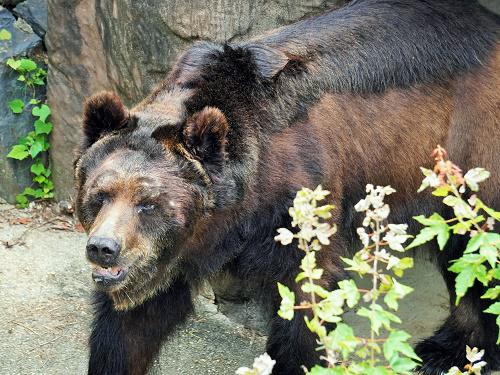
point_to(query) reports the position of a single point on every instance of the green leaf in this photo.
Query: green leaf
(36, 148)
(16, 106)
(27, 65)
(378, 317)
(34, 101)
(397, 343)
(40, 179)
(21, 78)
(490, 253)
(18, 152)
(425, 235)
(492, 293)
(493, 309)
(350, 292)
(42, 127)
(397, 291)
(343, 339)
(495, 214)
(21, 200)
(402, 365)
(42, 112)
(37, 168)
(441, 191)
(287, 302)
(5, 35)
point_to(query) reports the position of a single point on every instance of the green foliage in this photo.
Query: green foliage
(473, 218)
(5, 35)
(345, 352)
(28, 72)
(35, 144)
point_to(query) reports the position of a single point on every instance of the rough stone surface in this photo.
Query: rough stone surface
(77, 69)
(128, 46)
(34, 12)
(14, 175)
(493, 5)
(10, 3)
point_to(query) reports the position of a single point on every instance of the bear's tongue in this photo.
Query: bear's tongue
(107, 272)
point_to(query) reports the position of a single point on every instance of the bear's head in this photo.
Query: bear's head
(145, 179)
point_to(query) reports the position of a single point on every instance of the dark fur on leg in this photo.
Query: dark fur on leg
(466, 325)
(125, 342)
(292, 345)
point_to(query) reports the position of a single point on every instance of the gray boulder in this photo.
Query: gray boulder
(14, 175)
(34, 12)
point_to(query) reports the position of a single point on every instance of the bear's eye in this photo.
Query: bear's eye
(145, 207)
(103, 198)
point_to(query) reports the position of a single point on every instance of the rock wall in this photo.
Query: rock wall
(128, 46)
(14, 174)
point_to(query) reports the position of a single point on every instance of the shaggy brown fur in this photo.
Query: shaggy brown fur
(195, 180)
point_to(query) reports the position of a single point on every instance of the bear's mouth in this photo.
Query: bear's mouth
(105, 277)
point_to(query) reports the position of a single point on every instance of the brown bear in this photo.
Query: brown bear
(195, 180)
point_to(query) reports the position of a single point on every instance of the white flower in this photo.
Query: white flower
(381, 213)
(395, 241)
(472, 200)
(363, 236)
(476, 367)
(284, 236)
(398, 228)
(382, 254)
(388, 190)
(473, 355)
(262, 365)
(362, 205)
(475, 176)
(454, 371)
(431, 179)
(490, 223)
(393, 261)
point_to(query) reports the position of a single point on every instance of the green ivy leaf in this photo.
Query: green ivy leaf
(42, 112)
(36, 148)
(16, 106)
(37, 168)
(42, 127)
(39, 179)
(21, 200)
(5, 35)
(27, 65)
(18, 152)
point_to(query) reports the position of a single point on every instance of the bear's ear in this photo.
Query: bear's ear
(205, 136)
(103, 113)
(268, 61)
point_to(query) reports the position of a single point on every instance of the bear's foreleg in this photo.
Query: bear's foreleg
(126, 342)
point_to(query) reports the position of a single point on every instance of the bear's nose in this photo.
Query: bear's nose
(102, 250)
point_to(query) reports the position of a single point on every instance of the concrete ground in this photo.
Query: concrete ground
(44, 313)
